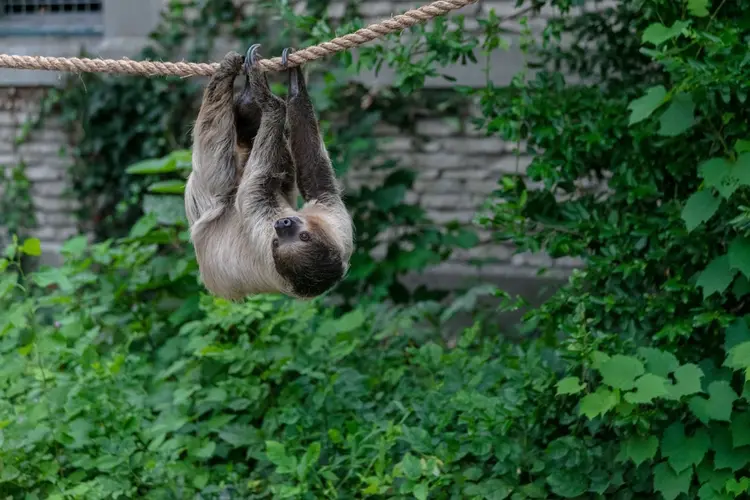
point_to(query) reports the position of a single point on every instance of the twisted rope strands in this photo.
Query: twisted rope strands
(187, 69)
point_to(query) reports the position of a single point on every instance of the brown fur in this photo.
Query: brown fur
(244, 170)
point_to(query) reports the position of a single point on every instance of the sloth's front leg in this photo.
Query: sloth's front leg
(269, 175)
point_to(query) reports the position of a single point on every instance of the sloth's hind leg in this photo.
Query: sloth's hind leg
(315, 176)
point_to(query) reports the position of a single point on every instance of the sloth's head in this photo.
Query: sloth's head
(306, 254)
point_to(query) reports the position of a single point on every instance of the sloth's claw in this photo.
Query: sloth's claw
(251, 57)
(285, 56)
(296, 78)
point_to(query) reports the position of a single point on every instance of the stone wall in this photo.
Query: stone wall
(46, 159)
(458, 167)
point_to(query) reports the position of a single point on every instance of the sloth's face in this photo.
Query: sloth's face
(305, 255)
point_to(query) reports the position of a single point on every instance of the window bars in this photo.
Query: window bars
(50, 17)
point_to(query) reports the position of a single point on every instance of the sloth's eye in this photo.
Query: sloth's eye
(304, 236)
(275, 243)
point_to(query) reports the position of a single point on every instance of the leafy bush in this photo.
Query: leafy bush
(111, 392)
(121, 380)
(653, 330)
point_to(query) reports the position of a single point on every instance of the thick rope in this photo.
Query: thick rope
(185, 69)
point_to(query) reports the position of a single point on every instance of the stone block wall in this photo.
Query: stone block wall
(457, 168)
(44, 153)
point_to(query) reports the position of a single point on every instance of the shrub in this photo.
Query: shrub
(653, 329)
(119, 379)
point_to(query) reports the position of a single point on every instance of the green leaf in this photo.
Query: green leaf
(143, 226)
(598, 358)
(669, 483)
(276, 453)
(699, 407)
(621, 371)
(738, 357)
(679, 116)
(657, 33)
(739, 255)
(32, 246)
(640, 448)
(8, 283)
(741, 287)
(411, 466)
(420, 491)
(643, 107)
(568, 483)
(597, 403)
(699, 208)
(569, 385)
(205, 451)
(740, 429)
(347, 323)
(309, 459)
(53, 276)
(75, 246)
(173, 186)
(682, 451)
(721, 400)
(8, 473)
(726, 456)
(724, 175)
(718, 406)
(708, 474)
(153, 166)
(742, 146)
(708, 492)
(168, 210)
(714, 171)
(736, 333)
(716, 277)
(648, 387)
(688, 378)
(737, 487)
(698, 8)
(658, 362)
(201, 480)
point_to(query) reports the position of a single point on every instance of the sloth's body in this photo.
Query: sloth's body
(251, 155)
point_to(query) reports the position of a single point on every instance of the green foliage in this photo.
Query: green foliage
(653, 331)
(15, 203)
(120, 379)
(111, 388)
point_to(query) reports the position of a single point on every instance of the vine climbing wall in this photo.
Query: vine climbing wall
(34, 164)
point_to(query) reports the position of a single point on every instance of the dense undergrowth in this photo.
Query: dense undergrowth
(120, 378)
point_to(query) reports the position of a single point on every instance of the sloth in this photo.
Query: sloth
(252, 156)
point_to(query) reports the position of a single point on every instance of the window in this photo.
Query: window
(50, 17)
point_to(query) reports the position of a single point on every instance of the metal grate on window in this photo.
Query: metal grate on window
(51, 17)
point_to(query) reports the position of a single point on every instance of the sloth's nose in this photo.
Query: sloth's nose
(287, 226)
(284, 223)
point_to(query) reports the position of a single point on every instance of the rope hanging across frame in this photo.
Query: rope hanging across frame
(187, 69)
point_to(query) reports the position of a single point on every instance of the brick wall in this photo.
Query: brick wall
(457, 169)
(44, 154)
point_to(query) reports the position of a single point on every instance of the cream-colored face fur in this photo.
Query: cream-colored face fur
(246, 175)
